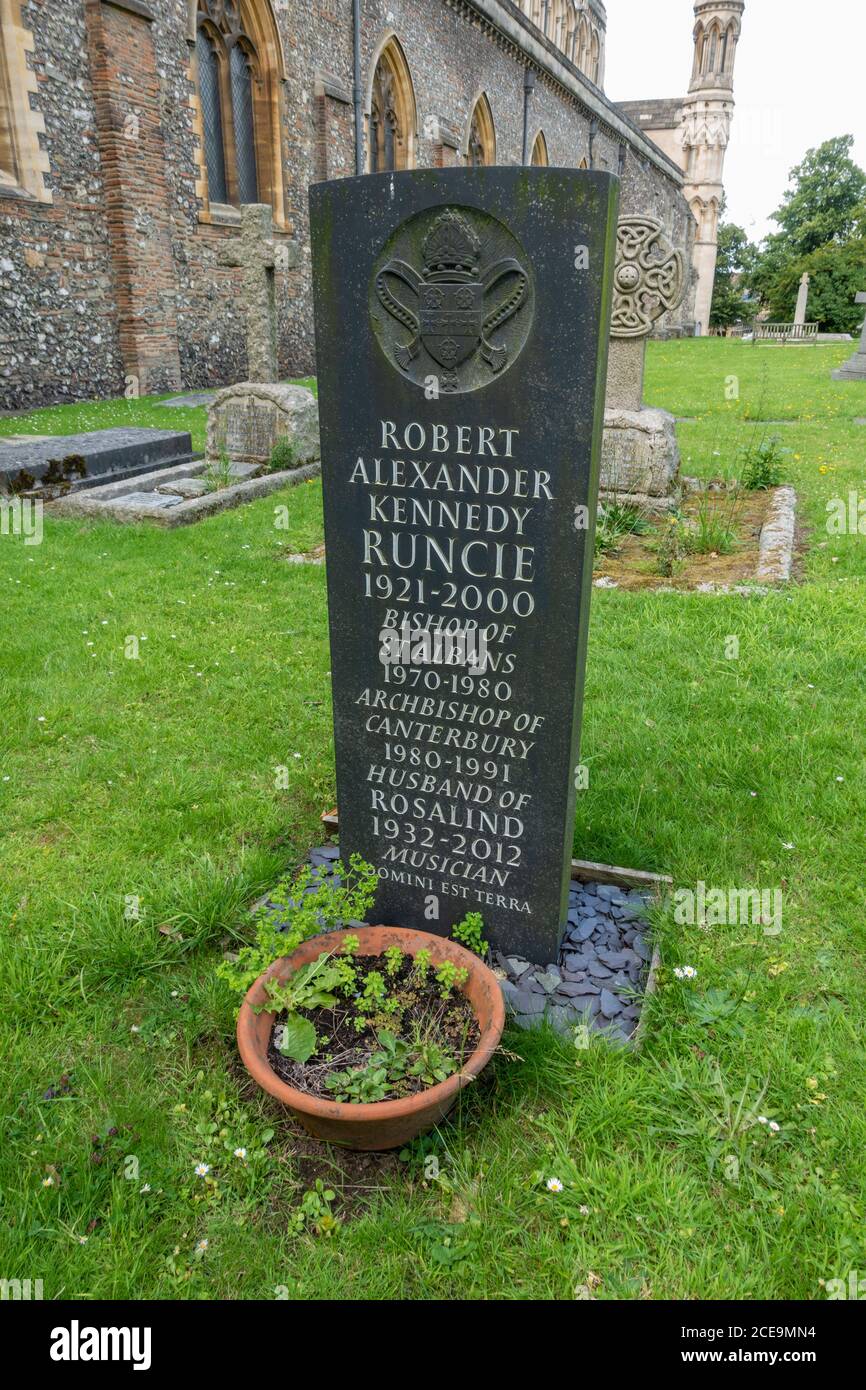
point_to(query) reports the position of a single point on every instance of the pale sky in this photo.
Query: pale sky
(800, 78)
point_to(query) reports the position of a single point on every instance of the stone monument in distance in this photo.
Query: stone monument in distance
(855, 368)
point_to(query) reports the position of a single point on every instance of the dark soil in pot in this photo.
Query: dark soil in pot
(448, 1022)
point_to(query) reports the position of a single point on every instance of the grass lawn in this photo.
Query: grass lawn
(140, 814)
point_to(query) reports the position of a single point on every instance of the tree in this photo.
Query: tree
(836, 273)
(826, 201)
(735, 261)
(822, 221)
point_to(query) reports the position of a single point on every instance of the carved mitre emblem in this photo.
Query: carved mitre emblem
(648, 278)
(455, 302)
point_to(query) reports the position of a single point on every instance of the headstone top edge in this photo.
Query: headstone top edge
(538, 173)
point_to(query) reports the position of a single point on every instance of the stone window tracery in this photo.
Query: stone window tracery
(238, 66)
(391, 123)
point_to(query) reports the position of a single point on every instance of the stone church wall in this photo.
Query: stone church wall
(71, 300)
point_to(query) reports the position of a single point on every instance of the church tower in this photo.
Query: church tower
(704, 133)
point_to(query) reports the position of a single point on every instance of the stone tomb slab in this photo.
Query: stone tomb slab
(461, 328)
(190, 402)
(74, 461)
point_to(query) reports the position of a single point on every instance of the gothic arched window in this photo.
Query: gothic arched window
(22, 161)
(481, 140)
(391, 128)
(583, 46)
(210, 95)
(539, 151)
(238, 65)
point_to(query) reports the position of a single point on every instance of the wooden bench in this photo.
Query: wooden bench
(785, 333)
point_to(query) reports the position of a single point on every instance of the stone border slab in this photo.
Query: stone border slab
(776, 544)
(185, 513)
(653, 886)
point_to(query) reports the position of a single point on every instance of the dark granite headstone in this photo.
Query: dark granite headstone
(72, 461)
(461, 326)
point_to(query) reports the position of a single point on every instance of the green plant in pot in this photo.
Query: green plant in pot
(367, 1034)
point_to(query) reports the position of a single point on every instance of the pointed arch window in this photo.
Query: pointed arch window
(241, 74)
(391, 127)
(539, 151)
(481, 140)
(210, 94)
(237, 69)
(23, 162)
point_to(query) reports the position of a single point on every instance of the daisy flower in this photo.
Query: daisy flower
(553, 1185)
(202, 1170)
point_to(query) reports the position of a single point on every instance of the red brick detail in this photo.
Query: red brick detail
(133, 160)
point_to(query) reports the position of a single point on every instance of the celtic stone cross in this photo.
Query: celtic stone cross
(648, 280)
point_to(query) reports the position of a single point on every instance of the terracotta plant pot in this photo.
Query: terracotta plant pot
(387, 1123)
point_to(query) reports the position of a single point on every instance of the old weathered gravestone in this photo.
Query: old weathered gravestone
(802, 300)
(259, 257)
(64, 463)
(855, 368)
(640, 458)
(246, 420)
(461, 331)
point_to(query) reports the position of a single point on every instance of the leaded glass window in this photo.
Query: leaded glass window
(211, 110)
(244, 127)
(384, 123)
(228, 78)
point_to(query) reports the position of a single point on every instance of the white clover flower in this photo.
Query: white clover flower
(202, 1170)
(553, 1185)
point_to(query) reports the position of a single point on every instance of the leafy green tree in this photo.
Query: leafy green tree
(826, 200)
(836, 273)
(735, 261)
(822, 222)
